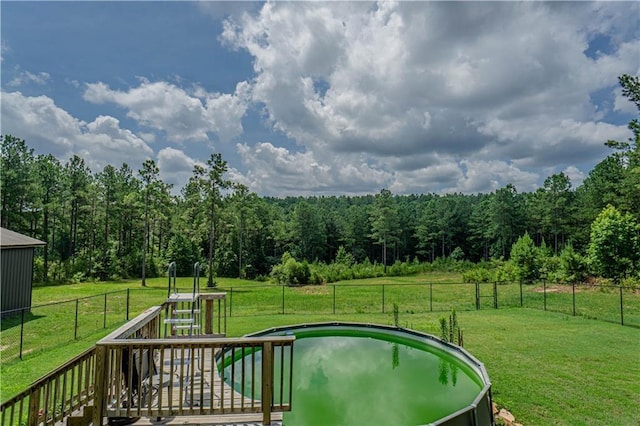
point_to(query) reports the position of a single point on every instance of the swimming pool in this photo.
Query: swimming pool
(366, 374)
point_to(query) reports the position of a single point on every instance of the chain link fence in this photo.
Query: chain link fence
(25, 331)
(617, 304)
(28, 330)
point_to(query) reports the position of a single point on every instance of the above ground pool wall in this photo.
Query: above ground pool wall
(479, 413)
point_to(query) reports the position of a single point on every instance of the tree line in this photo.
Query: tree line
(125, 223)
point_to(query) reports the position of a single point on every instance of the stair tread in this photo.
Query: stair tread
(178, 320)
(183, 297)
(187, 327)
(186, 311)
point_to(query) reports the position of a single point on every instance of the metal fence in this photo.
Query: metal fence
(616, 304)
(28, 330)
(40, 327)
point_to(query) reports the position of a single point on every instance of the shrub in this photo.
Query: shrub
(291, 272)
(573, 266)
(457, 255)
(344, 258)
(614, 247)
(526, 258)
(478, 275)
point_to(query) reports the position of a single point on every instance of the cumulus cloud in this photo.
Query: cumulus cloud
(411, 96)
(482, 87)
(279, 172)
(39, 119)
(49, 128)
(575, 175)
(26, 77)
(622, 103)
(183, 116)
(175, 167)
(104, 139)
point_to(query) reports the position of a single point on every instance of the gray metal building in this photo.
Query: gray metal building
(16, 269)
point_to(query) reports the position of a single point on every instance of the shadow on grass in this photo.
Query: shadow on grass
(15, 318)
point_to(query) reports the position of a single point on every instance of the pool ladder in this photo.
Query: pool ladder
(183, 309)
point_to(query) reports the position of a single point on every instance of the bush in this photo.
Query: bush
(457, 254)
(478, 275)
(614, 247)
(549, 267)
(291, 272)
(573, 266)
(492, 271)
(527, 258)
(344, 258)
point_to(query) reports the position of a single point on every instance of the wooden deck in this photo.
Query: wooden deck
(226, 420)
(137, 371)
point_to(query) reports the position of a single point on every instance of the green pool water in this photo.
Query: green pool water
(366, 377)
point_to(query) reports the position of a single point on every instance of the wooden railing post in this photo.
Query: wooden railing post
(267, 382)
(208, 319)
(34, 407)
(100, 390)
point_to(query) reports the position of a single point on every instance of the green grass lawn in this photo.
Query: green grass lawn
(546, 367)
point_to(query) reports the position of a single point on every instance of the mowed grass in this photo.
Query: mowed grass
(546, 367)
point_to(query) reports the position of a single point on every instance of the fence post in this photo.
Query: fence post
(282, 299)
(75, 324)
(230, 302)
(621, 311)
(573, 291)
(127, 318)
(334, 299)
(383, 298)
(495, 295)
(477, 296)
(544, 293)
(21, 330)
(521, 304)
(104, 316)
(430, 297)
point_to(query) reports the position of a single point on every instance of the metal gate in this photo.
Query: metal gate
(486, 295)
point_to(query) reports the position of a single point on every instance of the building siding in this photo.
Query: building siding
(16, 277)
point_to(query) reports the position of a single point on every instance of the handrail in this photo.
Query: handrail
(54, 396)
(171, 272)
(136, 324)
(196, 277)
(196, 298)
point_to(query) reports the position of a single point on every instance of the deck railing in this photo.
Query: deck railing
(142, 373)
(54, 396)
(160, 378)
(139, 370)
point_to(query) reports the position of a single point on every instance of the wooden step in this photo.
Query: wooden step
(83, 419)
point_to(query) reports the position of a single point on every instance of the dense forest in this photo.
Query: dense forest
(120, 222)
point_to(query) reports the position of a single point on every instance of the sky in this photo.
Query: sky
(324, 98)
